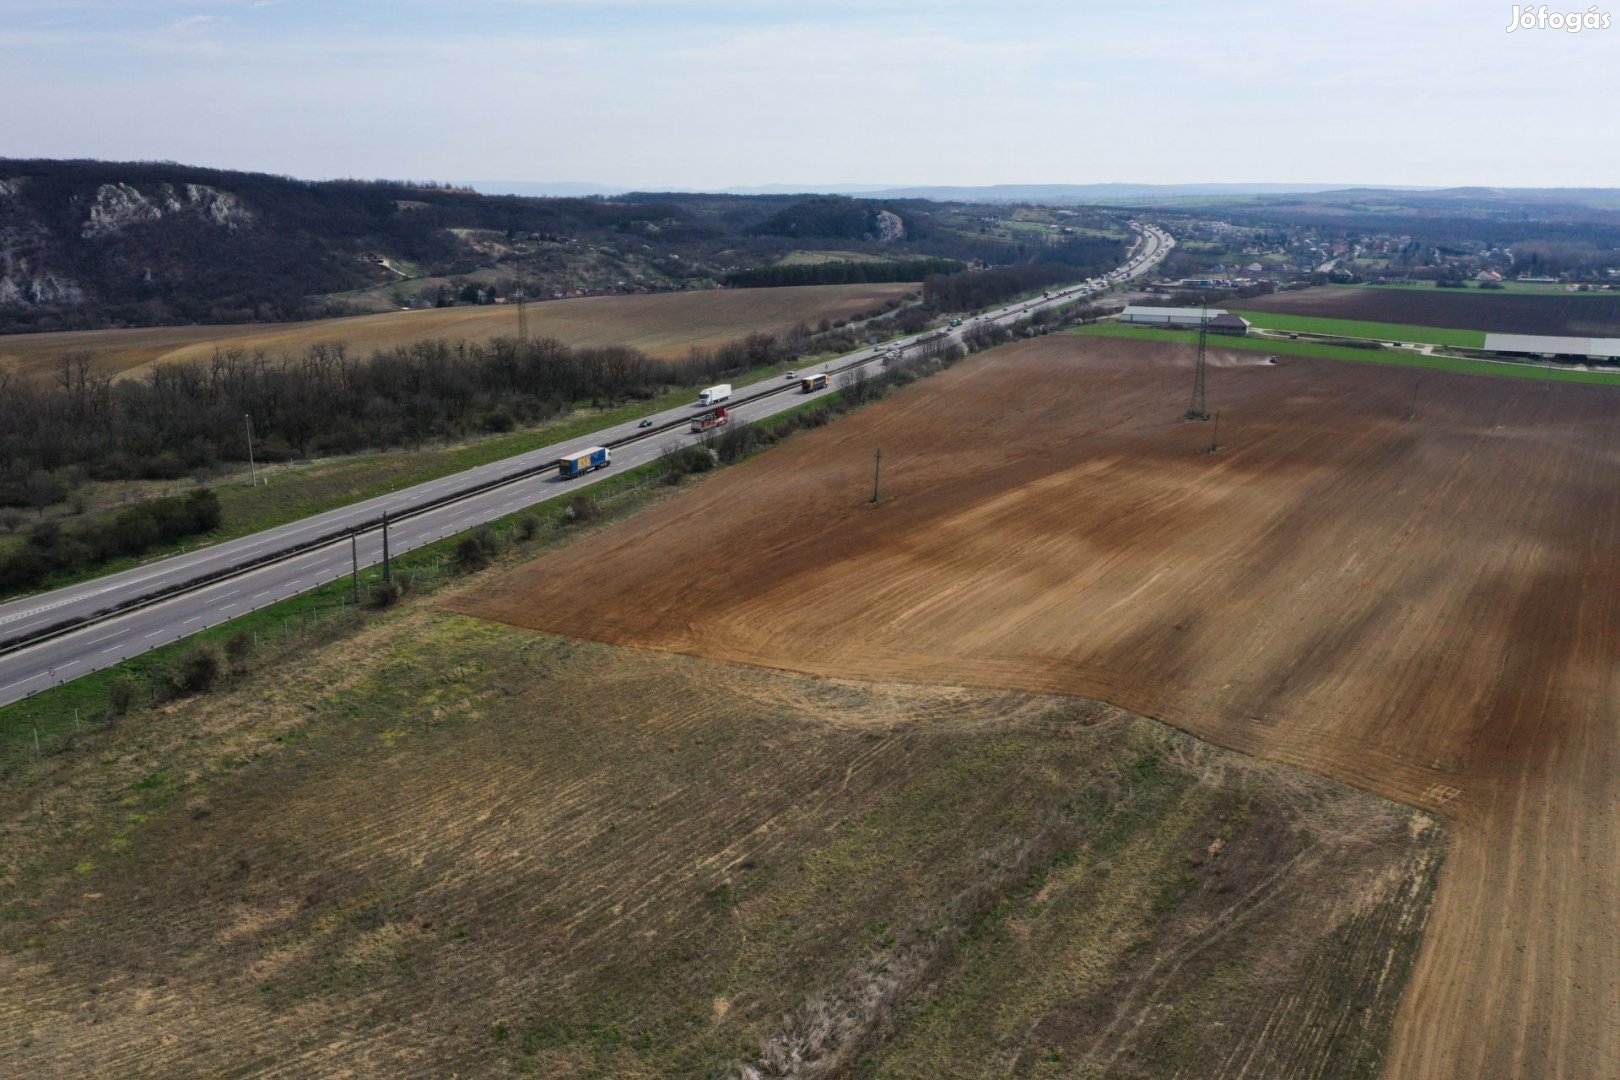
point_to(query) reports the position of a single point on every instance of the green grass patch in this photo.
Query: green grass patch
(1356, 328)
(1395, 357)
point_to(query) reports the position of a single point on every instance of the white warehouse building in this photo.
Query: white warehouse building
(1550, 345)
(1189, 317)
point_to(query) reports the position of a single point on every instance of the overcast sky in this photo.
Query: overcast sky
(718, 93)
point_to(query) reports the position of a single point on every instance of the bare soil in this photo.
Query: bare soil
(448, 847)
(1424, 606)
(661, 324)
(1502, 313)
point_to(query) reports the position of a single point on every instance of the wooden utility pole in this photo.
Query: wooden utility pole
(877, 467)
(388, 574)
(354, 557)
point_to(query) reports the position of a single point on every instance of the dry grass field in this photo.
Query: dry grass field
(661, 324)
(453, 848)
(1579, 315)
(1425, 606)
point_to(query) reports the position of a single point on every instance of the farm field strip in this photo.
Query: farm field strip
(1524, 288)
(1390, 357)
(1422, 605)
(1570, 314)
(661, 324)
(456, 848)
(1354, 328)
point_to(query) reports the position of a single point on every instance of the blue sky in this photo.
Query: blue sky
(695, 94)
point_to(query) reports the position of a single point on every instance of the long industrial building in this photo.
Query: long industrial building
(1221, 321)
(1593, 348)
(1168, 316)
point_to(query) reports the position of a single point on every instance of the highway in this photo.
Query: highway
(113, 622)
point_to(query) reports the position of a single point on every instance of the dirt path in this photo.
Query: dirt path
(1427, 608)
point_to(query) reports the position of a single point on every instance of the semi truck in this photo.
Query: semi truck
(714, 395)
(581, 462)
(815, 382)
(711, 420)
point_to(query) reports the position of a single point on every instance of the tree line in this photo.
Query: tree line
(842, 272)
(179, 417)
(184, 418)
(135, 530)
(978, 289)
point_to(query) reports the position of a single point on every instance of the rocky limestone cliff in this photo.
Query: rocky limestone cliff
(22, 281)
(890, 226)
(119, 206)
(22, 284)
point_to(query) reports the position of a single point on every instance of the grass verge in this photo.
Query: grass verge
(1397, 357)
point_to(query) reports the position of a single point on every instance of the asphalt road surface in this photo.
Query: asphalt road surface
(107, 639)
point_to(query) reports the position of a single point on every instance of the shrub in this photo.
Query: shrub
(528, 527)
(239, 647)
(384, 594)
(121, 697)
(580, 509)
(470, 554)
(198, 670)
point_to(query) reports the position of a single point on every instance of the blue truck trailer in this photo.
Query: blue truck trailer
(584, 461)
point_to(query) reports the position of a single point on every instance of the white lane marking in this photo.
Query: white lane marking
(19, 682)
(156, 633)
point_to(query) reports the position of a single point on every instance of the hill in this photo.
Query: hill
(88, 245)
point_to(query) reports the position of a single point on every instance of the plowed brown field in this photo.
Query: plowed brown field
(1426, 607)
(1506, 313)
(662, 324)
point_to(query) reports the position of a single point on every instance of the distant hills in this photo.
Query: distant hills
(1123, 194)
(92, 244)
(1052, 194)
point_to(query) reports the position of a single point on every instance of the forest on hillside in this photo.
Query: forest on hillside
(86, 244)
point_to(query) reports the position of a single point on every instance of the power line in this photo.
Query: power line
(523, 314)
(1198, 408)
